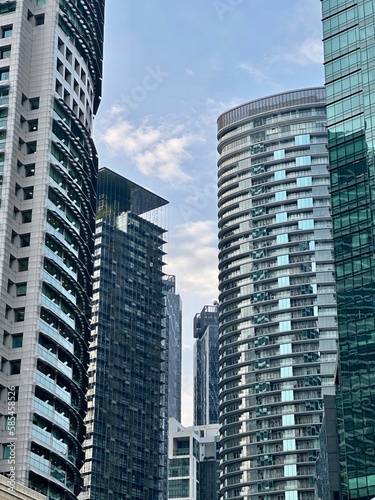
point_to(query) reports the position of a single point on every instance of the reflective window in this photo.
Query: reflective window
(306, 224)
(288, 419)
(281, 238)
(303, 160)
(286, 371)
(280, 195)
(302, 139)
(282, 260)
(279, 155)
(304, 181)
(279, 175)
(289, 444)
(284, 281)
(284, 303)
(286, 349)
(305, 203)
(281, 217)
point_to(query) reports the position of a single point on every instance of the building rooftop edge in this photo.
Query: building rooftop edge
(154, 200)
(264, 98)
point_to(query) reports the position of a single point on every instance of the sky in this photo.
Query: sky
(170, 69)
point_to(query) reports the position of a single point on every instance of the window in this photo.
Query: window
(3, 117)
(4, 73)
(23, 264)
(4, 95)
(30, 170)
(5, 52)
(39, 19)
(6, 31)
(26, 216)
(19, 314)
(21, 289)
(68, 55)
(25, 240)
(31, 147)
(17, 340)
(28, 193)
(33, 125)
(7, 7)
(15, 367)
(41, 2)
(34, 103)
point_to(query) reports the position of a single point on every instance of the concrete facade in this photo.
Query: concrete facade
(50, 87)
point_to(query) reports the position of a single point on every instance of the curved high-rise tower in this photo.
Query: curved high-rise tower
(50, 87)
(277, 308)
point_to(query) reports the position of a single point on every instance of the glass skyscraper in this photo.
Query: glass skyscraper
(173, 334)
(125, 421)
(277, 308)
(206, 366)
(349, 54)
(50, 88)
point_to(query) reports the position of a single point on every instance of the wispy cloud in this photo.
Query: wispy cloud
(308, 52)
(156, 150)
(258, 74)
(193, 258)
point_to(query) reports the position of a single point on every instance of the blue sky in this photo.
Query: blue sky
(170, 69)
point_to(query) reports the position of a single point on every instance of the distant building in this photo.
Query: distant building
(173, 325)
(125, 428)
(193, 462)
(206, 366)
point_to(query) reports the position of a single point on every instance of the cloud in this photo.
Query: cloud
(193, 258)
(251, 69)
(158, 151)
(310, 51)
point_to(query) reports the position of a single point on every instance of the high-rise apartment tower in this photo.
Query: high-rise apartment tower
(349, 54)
(50, 87)
(125, 422)
(277, 310)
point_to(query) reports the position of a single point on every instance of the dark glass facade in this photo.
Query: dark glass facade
(349, 53)
(173, 335)
(206, 366)
(125, 421)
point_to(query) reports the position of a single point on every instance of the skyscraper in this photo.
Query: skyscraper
(206, 366)
(50, 88)
(125, 428)
(277, 310)
(173, 334)
(349, 48)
